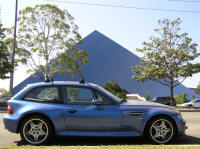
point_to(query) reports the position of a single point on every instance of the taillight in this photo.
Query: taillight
(10, 110)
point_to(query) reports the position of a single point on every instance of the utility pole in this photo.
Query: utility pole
(13, 52)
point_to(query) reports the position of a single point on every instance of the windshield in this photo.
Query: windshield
(109, 94)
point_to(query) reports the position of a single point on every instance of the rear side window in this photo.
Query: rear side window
(46, 94)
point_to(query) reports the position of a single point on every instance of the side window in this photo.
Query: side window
(46, 94)
(78, 95)
(159, 99)
(103, 99)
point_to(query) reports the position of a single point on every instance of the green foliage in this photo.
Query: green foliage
(21, 54)
(181, 98)
(4, 92)
(167, 57)
(50, 36)
(198, 89)
(192, 97)
(70, 61)
(5, 63)
(115, 89)
(148, 96)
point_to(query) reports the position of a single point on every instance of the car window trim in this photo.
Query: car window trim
(96, 91)
(40, 100)
(76, 86)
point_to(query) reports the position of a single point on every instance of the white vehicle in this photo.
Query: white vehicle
(193, 103)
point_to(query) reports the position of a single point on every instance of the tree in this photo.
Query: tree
(115, 89)
(50, 36)
(197, 90)
(5, 63)
(21, 55)
(181, 98)
(3, 92)
(167, 57)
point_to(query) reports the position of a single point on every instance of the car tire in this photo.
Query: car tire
(160, 130)
(36, 130)
(190, 106)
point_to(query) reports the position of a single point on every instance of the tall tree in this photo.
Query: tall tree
(5, 63)
(21, 55)
(167, 57)
(50, 35)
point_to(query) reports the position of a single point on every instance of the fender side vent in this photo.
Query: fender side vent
(135, 113)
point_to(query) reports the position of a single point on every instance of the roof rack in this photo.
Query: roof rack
(82, 81)
(48, 79)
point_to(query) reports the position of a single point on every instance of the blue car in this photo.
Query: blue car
(43, 110)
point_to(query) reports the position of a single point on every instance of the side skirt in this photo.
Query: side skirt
(100, 134)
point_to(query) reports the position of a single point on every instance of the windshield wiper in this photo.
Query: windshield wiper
(123, 100)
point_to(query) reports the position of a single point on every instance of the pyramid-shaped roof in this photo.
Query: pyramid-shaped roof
(109, 61)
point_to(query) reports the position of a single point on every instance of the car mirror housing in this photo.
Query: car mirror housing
(97, 102)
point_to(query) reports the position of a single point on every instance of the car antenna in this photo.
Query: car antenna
(82, 81)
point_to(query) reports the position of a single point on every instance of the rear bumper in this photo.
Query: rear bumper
(10, 124)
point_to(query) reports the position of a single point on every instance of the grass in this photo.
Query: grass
(106, 147)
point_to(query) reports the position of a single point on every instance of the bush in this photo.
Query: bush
(115, 89)
(148, 96)
(3, 92)
(181, 98)
(193, 97)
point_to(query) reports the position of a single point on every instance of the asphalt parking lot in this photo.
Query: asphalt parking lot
(192, 135)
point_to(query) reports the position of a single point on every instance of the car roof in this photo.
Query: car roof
(73, 83)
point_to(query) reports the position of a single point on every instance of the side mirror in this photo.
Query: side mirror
(97, 102)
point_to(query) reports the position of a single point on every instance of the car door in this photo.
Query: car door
(82, 115)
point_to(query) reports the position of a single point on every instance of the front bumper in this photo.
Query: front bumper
(181, 127)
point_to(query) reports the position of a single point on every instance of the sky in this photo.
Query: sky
(128, 26)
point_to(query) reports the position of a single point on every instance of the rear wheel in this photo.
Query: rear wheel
(36, 130)
(160, 130)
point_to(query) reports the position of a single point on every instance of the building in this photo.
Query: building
(109, 61)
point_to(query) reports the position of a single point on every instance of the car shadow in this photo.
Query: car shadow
(96, 141)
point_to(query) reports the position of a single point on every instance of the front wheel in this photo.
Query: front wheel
(160, 130)
(36, 130)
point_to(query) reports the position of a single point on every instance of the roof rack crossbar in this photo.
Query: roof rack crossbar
(82, 81)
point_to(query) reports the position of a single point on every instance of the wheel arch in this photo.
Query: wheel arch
(35, 114)
(160, 115)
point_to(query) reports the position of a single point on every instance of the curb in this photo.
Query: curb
(188, 110)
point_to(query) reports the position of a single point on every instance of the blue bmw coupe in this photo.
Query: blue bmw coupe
(43, 110)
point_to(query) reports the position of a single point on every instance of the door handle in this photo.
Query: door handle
(71, 111)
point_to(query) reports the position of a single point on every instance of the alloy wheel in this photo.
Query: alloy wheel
(35, 131)
(161, 131)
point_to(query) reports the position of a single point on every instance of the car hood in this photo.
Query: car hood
(144, 103)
